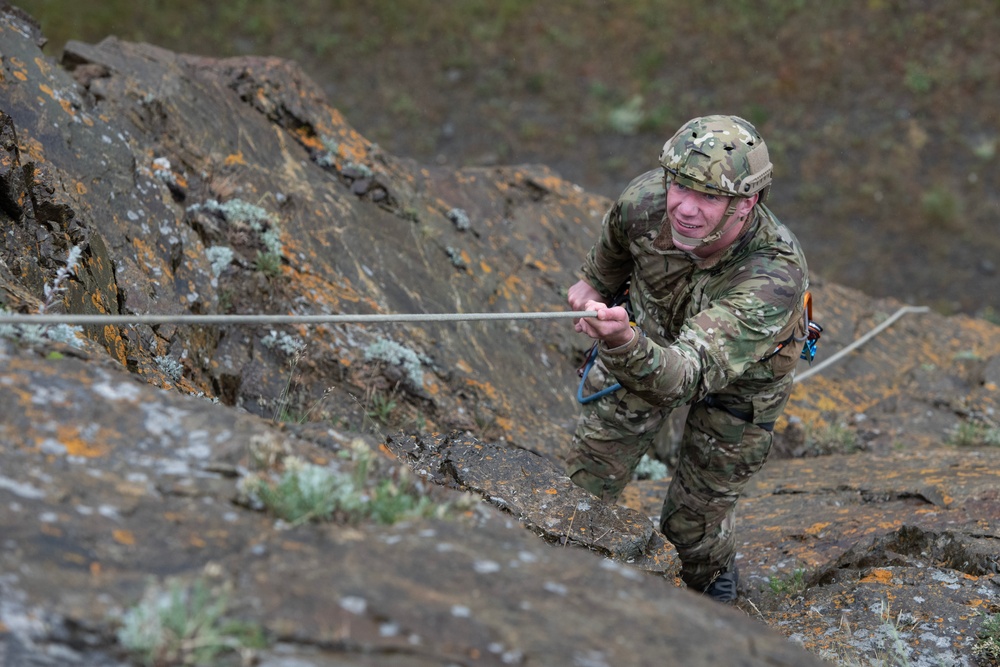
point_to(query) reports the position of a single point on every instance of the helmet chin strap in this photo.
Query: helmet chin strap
(717, 232)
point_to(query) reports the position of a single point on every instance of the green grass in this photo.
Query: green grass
(382, 407)
(358, 487)
(974, 434)
(834, 438)
(887, 646)
(789, 586)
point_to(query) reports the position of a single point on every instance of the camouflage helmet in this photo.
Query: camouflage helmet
(721, 155)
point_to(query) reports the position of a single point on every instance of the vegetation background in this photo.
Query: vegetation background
(881, 115)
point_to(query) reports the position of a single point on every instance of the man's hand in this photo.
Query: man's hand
(611, 324)
(580, 293)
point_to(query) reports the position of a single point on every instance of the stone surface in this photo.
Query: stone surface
(122, 458)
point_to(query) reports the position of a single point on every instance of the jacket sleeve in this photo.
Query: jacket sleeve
(609, 263)
(716, 346)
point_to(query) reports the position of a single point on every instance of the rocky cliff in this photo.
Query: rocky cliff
(179, 185)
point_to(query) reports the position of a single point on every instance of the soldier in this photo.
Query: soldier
(715, 289)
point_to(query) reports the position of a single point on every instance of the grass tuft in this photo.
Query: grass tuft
(186, 625)
(352, 489)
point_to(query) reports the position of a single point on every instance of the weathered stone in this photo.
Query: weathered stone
(116, 466)
(532, 489)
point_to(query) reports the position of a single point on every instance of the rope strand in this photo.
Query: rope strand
(77, 320)
(861, 341)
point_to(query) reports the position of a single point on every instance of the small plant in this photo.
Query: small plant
(297, 491)
(941, 206)
(974, 434)
(185, 625)
(990, 314)
(264, 224)
(987, 646)
(35, 334)
(885, 647)
(627, 118)
(391, 501)
(835, 438)
(287, 343)
(56, 289)
(281, 411)
(381, 408)
(303, 492)
(268, 263)
(792, 585)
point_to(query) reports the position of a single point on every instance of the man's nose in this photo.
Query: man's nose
(687, 204)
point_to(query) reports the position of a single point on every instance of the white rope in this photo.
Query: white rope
(861, 341)
(76, 319)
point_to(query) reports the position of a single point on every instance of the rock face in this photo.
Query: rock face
(192, 186)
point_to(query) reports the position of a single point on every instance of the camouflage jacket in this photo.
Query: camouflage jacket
(706, 324)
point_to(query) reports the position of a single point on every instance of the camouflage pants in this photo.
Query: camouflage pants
(719, 452)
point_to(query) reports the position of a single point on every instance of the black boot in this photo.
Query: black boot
(723, 587)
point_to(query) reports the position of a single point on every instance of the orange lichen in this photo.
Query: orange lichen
(122, 536)
(817, 528)
(877, 576)
(69, 437)
(486, 387)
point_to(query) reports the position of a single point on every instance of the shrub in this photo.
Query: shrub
(297, 491)
(185, 626)
(974, 434)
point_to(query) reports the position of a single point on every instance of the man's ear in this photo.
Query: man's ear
(747, 203)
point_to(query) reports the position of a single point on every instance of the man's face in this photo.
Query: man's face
(694, 214)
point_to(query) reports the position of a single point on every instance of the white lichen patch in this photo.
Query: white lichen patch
(486, 566)
(353, 604)
(119, 391)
